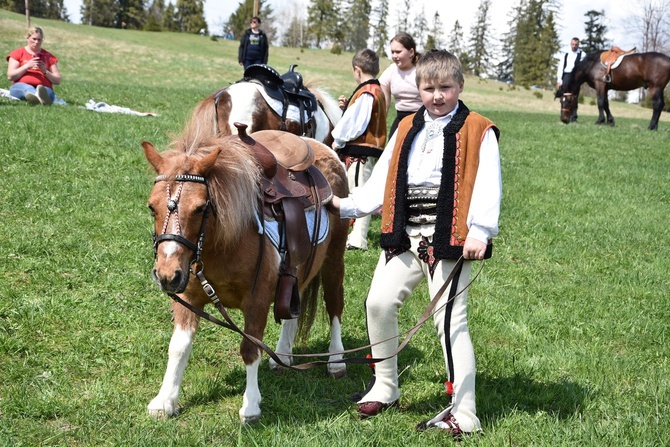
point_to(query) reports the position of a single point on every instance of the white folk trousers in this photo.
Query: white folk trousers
(358, 237)
(392, 284)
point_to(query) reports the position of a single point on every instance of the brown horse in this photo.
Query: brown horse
(246, 102)
(220, 176)
(648, 70)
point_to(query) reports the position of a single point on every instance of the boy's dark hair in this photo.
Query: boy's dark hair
(439, 64)
(256, 18)
(367, 60)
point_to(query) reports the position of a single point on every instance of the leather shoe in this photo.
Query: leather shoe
(369, 409)
(448, 424)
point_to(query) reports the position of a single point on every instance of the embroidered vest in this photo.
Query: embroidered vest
(462, 140)
(372, 141)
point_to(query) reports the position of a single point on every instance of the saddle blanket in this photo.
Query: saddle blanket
(293, 112)
(272, 227)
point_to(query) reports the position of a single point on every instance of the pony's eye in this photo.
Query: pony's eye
(201, 209)
(151, 210)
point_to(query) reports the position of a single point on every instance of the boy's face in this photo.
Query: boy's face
(440, 96)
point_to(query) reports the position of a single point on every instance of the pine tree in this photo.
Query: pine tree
(323, 19)
(191, 16)
(595, 31)
(130, 14)
(380, 30)
(403, 23)
(357, 29)
(99, 12)
(536, 42)
(456, 46)
(420, 29)
(434, 39)
(479, 40)
(155, 15)
(45, 9)
(170, 21)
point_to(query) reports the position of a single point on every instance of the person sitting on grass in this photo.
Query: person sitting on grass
(33, 70)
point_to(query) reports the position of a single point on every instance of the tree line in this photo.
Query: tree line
(523, 54)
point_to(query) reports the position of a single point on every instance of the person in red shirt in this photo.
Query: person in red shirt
(33, 70)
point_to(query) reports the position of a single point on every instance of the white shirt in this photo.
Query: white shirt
(568, 61)
(354, 121)
(424, 169)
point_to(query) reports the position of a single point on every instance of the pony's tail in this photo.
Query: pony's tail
(309, 305)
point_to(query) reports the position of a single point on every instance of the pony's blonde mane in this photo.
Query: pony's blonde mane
(233, 181)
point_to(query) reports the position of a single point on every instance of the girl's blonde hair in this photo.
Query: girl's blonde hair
(35, 29)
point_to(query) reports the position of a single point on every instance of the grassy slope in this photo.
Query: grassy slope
(569, 319)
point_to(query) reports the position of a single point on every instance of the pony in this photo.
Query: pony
(246, 101)
(202, 174)
(649, 70)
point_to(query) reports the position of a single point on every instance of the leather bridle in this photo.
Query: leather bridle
(173, 208)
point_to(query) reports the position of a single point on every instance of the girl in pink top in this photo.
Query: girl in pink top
(33, 70)
(398, 80)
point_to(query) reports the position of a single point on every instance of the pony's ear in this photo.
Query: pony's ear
(206, 163)
(152, 156)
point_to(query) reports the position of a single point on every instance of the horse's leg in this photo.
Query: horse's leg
(255, 318)
(251, 402)
(332, 277)
(657, 102)
(602, 98)
(185, 326)
(289, 329)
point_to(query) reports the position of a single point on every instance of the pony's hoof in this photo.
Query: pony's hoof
(250, 419)
(337, 373)
(161, 415)
(161, 410)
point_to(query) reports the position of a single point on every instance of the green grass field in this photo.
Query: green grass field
(569, 319)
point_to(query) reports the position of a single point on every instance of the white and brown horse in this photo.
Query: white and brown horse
(247, 102)
(219, 176)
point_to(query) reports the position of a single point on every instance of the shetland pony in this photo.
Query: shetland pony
(203, 175)
(245, 102)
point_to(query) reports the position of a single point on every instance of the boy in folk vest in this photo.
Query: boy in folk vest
(439, 186)
(360, 135)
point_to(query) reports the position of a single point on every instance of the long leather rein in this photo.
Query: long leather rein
(197, 269)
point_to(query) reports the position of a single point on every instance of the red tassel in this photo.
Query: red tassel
(448, 388)
(371, 365)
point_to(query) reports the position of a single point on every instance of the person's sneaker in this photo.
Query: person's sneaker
(32, 99)
(43, 95)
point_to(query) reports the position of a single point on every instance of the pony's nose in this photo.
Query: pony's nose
(173, 284)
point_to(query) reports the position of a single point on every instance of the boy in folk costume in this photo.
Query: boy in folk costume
(439, 186)
(360, 135)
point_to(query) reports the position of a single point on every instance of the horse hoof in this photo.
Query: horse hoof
(161, 415)
(338, 374)
(250, 419)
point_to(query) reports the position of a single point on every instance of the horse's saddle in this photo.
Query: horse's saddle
(611, 59)
(291, 185)
(289, 90)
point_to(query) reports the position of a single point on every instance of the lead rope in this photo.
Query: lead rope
(230, 324)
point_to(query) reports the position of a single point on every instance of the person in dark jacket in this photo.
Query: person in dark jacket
(253, 45)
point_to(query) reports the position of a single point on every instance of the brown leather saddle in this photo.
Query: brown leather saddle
(289, 90)
(609, 57)
(291, 185)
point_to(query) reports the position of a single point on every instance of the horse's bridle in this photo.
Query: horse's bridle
(173, 207)
(565, 98)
